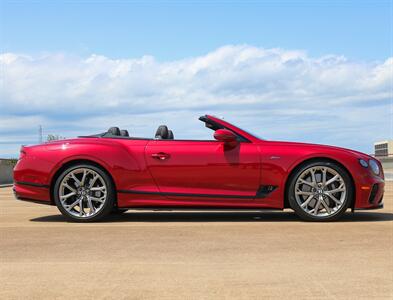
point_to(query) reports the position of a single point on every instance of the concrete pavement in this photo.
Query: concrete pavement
(193, 255)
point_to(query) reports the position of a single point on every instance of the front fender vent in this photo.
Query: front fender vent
(265, 190)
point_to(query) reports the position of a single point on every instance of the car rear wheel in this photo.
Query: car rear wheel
(320, 191)
(84, 193)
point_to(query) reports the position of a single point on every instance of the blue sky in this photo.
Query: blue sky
(175, 29)
(305, 70)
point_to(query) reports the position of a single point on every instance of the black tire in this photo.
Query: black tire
(345, 203)
(108, 202)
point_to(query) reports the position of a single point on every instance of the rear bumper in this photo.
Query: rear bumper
(31, 180)
(32, 192)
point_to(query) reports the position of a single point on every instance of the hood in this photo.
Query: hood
(321, 147)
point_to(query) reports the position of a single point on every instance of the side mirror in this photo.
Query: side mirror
(226, 136)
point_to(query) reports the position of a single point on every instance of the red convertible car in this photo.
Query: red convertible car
(90, 177)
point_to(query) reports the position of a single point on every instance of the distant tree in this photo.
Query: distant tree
(54, 137)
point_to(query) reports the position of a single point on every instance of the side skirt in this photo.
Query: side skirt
(203, 209)
(262, 192)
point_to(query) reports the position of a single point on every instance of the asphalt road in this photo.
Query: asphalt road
(194, 255)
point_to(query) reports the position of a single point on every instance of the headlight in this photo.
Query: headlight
(363, 163)
(374, 166)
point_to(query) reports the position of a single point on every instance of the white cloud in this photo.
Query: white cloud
(323, 99)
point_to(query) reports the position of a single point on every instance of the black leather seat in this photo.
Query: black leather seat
(124, 132)
(162, 132)
(114, 131)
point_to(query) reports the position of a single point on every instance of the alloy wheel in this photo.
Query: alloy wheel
(320, 191)
(82, 192)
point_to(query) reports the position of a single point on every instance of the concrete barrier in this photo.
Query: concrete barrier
(387, 164)
(6, 167)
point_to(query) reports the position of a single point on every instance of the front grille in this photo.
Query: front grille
(373, 193)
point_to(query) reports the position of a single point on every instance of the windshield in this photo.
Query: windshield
(213, 125)
(251, 133)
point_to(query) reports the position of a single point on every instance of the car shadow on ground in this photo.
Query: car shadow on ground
(132, 216)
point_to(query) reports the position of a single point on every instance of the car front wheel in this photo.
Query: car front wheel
(320, 191)
(84, 193)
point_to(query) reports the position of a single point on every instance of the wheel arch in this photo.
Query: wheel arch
(73, 162)
(315, 159)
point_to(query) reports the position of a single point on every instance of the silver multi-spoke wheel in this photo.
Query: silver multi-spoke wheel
(82, 192)
(320, 191)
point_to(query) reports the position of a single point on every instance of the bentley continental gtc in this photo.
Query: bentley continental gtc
(89, 177)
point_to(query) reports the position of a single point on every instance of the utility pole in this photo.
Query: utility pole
(40, 134)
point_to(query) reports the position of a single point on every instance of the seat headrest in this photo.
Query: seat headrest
(114, 131)
(124, 132)
(162, 132)
(170, 135)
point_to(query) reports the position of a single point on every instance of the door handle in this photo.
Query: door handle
(161, 155)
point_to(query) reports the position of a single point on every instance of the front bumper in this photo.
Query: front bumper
(379, 206)
(369, 193)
